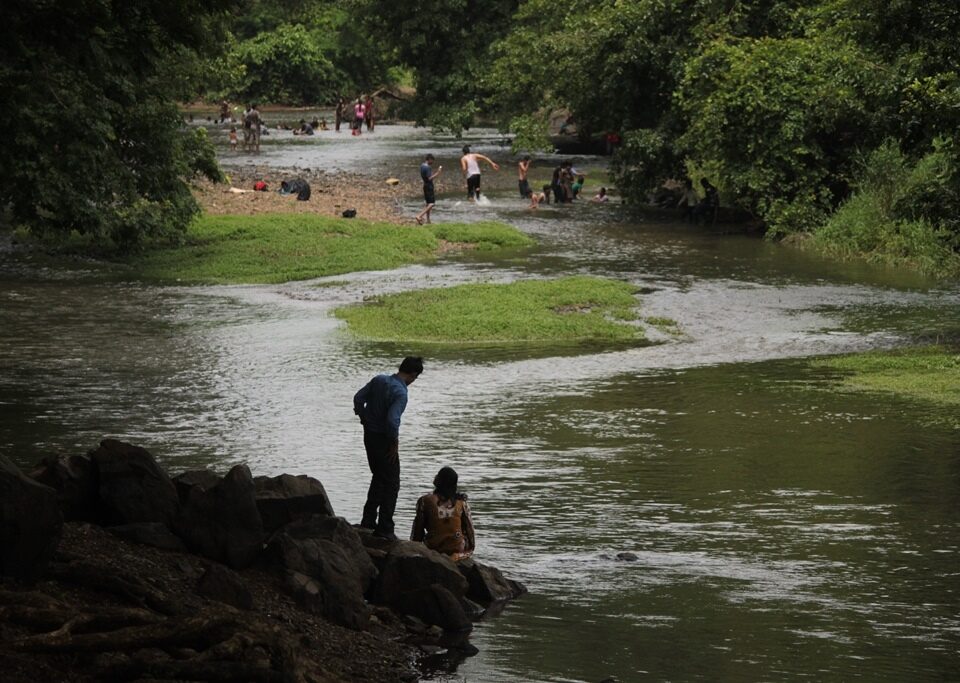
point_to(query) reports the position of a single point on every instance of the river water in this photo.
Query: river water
(706, 508)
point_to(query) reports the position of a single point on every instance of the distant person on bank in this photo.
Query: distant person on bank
(379, 405)
(443, 520)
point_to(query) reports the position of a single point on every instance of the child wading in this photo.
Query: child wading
(429, 198)
(443, 520)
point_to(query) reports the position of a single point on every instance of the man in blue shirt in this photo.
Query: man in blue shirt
(379, 406)
(429, 198)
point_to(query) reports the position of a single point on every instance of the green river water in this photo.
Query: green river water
(710, 507)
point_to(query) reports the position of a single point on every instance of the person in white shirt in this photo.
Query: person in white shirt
(470, 165)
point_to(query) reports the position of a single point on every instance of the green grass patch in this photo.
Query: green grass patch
(930, 373)
(665, 325)
(560, 311)
(271, 248)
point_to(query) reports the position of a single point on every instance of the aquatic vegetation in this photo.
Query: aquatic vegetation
(930, 373)
(665, 325)
(270, 248)
(570, 309)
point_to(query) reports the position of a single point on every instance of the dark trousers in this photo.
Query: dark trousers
(384, 485)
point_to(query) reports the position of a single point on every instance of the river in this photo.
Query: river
(709, 507)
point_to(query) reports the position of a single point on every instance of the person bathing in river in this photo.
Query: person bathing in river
(470, 165)
(359, 111)
(522, 168)
(443, 522)
(578, 185)
(427, 174)
(338, 114)
(536, 198)
(379, 405)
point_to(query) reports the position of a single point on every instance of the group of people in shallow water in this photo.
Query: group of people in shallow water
(565, 186)
(442, 521)
(358, 114)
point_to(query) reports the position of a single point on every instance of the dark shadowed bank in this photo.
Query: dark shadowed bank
(112, 570)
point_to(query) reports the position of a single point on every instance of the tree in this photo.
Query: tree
(446, 45)
(285, 66)
(95, 143)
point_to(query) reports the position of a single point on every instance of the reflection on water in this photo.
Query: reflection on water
(702, 509)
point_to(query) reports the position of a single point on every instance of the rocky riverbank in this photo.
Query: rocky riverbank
(112, 570)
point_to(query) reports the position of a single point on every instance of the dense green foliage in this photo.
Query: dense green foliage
(571, 309)
(296, 52)
(270, 248)
(95, 145)
(901, 211)
(776, 99)
(446, 45)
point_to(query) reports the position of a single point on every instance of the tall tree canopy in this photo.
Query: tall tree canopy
(94, 142)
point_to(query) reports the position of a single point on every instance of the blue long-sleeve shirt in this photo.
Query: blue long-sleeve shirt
(381, 403)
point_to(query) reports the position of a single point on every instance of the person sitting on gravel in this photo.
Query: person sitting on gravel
(443, 520)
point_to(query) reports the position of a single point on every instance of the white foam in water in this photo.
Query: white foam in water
(483, 201)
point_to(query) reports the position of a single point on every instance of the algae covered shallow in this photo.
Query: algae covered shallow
(562, 310)
(272, 248)
(929, 373)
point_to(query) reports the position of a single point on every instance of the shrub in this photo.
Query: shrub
(901, 212)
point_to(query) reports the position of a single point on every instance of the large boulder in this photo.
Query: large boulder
(410, 566)
(132, 486)
(30, 523)
(287, 498)
(326, 567)
(435, 605)
(225, 585)
(488, 584)
(74, 478)
(222, 522)
(187, 481)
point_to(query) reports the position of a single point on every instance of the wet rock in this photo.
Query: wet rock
(187, 481)
(411, 566)
(627, 557)
(327, 567)
(222, 522)
(132, 487)
(434, 605)
(154, 534)
(471, 609)
(415, 624)
(328, 600)
(287, 498)
(224, 585)
(30, 523)
(74, 479)
(488, 584)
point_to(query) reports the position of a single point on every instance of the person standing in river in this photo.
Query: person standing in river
(523, 184)
(427, 174)
(379, 405)
(470, 165)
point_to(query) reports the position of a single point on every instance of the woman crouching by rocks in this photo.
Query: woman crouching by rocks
(443, 518)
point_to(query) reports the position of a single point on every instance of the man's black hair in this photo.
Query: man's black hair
(466, 149)
(412, 365)
(429, 157)
(526, 157)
